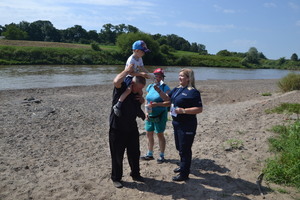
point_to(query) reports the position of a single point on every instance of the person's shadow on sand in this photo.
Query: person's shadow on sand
(214, 184)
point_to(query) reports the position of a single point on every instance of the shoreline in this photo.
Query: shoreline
(107, 84)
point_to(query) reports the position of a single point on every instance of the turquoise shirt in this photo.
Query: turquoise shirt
(155, 97)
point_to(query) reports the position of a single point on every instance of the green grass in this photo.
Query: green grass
(185, 53)
(234, 143)
(56, 55)
(109, 47)
(266, 94)
(284, 167)
(286, 108)
(289, 82)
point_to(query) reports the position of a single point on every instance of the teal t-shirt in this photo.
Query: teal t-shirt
(153, 96)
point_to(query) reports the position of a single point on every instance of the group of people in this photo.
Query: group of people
(183, 103)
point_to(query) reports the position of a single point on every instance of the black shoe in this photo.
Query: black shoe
(117, 110)
(180, 178)
(146, 157)
(160, 160)
(118, 184)
(138, 178)
(177, 170)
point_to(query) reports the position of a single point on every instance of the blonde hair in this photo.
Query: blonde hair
(190, 74)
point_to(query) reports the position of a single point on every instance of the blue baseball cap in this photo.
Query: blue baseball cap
(141, 45)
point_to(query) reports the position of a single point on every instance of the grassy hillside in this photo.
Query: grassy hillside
(14, 52)
(37, 52)
(23, 43)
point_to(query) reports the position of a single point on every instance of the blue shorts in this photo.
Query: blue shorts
(157, 124)
(128, 80)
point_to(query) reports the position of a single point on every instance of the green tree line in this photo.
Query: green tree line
(165, 49)
(45, 31)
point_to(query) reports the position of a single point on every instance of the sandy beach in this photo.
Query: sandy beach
(54, 145)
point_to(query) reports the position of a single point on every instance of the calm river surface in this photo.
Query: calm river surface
(45, 76)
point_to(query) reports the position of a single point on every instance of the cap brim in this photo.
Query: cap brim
(146, 50)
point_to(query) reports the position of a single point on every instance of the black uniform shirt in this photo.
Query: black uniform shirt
(127, 120)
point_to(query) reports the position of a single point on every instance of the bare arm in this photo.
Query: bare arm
(143, 72)
(120, 77)
(143, 69)
(166, 99)
(191, 111)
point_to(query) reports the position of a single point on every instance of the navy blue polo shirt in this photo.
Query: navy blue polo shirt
(184, 97)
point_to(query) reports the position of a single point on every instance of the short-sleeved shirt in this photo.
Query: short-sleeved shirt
(184, 97)
(136, 63)
(153, 95)
(129, 110)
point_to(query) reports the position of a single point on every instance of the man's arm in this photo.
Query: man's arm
(120, 77)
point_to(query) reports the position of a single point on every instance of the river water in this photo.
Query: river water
(45, 76)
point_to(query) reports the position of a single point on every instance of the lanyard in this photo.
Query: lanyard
(177, 93)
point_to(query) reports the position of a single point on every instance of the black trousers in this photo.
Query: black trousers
(119, 141)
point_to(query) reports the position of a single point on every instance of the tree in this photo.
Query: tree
(224, 52)
(41, 31)
(252, 56)
(13, 32)
(294, 57)
(166, 49)
(93, 35)
(2, 29)
(132, 29)
(202, 49)
(108, 34)
(194, 47)
(261, 56)
(281, 60)
(74, 34)
(177, 42)
(125, 41)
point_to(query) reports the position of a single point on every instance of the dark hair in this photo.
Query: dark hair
(140, 80)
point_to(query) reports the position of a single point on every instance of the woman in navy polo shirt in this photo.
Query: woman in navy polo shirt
(186, 104)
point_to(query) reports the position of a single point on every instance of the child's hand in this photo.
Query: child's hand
(145, 75)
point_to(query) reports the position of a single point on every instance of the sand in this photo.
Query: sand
(56, 147)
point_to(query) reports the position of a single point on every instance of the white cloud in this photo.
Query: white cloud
(66, 13)
(270, 5)
(223, 10)
(204, 27)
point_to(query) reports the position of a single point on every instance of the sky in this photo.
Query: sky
(271, 26)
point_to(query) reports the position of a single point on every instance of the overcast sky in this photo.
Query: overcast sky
(272, 26)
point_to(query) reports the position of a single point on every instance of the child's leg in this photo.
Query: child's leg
(128, 81)
(118, 105)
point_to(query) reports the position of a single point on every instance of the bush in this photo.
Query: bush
(290, 82)
(95, 46)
